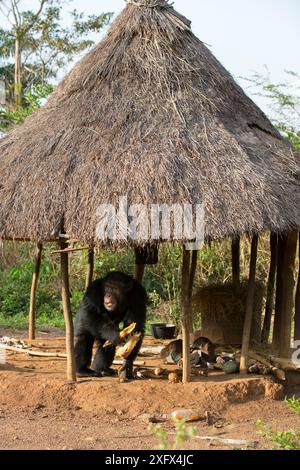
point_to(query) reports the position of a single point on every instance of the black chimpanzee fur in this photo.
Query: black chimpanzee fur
(95, 322)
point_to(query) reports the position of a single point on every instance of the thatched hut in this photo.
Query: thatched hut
(149, 114)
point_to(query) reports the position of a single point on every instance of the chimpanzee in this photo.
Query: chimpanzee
(107, 302)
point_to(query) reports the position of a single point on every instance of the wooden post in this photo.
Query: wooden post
(249, 307)
(271, 288)
(193, 272)
(65, 293)
(282, 240)
(297, 302)
(235, 256)
(186, 315)
(139, 273)
(288, 295)
(90, 269)
(34, 285)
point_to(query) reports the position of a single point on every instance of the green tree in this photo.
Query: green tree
(283, 100)
(37, 44)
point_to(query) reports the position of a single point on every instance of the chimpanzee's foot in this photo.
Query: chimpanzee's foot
(128, 366)
(87, 373)
(107, 372)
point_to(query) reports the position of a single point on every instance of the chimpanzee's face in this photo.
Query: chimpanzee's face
(114, 297)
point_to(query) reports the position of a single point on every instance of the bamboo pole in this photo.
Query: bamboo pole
(65, 293)
(249, 307)
(193, 272)
(297, 302)
(271, 288)
(90, 269)
(288, 295)
(282, 240)
(186, 315)
(33, 291)
(236, 260)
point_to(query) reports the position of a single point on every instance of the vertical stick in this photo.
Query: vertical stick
(297, 302)
(236, 264)
(65, 293)
(186, 315)
(34, 285)
(139, 271)
(271, 288)
(90, 269)
(193, 272)
(249, 307)
(288, 295)
(282, 240)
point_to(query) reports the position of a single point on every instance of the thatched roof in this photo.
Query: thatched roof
(151, 114)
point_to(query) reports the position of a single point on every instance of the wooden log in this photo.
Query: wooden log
(249, 307)
(282, 240)
(65, 293)
(34, 285)
(236, 257)
(297, 303)
(139, 273)
(186, 316)
(90, 268)
(271, 288)
(288, 295)
(193, 272)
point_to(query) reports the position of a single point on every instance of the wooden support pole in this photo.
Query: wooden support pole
(193, 272)
(139, 273)
(249, 307)
(236, 258)
(186, 315)
(288, 295)
(34, 285)
(65, 293)
(271, 288)
(282, 240)
(90, 269)
(297, 302)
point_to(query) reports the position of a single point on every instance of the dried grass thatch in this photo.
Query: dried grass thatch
(151, 114)
(222, 310)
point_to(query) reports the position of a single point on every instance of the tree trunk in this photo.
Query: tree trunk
(288, 295)
(236, 257)
(90, 269)
(34, 285)
(186, 315)
(271, 288)
(18, 75)
(282, 240)
(249, 307)
(65, 293)
(297, 308)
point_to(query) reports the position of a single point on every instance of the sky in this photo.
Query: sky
(245, 35)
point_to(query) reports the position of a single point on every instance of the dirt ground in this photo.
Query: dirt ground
(39, 410)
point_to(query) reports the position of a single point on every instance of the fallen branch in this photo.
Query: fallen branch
(60, 355)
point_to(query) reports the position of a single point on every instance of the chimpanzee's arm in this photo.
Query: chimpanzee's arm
(92, 320)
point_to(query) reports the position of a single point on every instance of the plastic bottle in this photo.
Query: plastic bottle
(185, 414)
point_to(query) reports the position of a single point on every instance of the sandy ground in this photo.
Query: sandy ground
(39, 410)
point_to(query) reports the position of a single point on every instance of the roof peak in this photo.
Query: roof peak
(150, 3)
